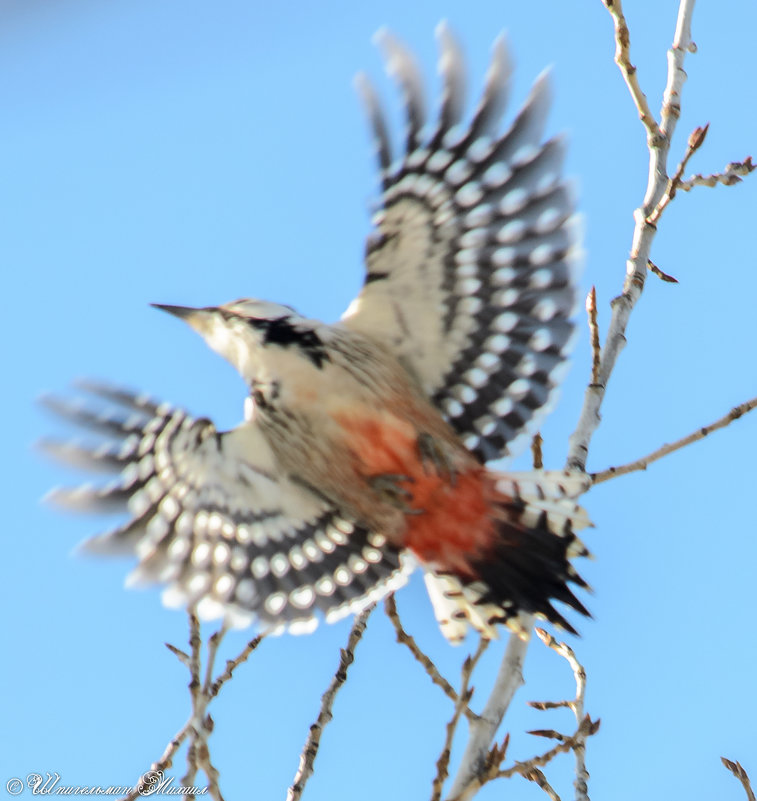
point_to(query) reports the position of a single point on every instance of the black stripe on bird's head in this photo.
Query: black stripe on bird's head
(273, 324)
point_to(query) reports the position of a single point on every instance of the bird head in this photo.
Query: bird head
(257, 337)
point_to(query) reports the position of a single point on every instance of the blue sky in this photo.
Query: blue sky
(191, 153)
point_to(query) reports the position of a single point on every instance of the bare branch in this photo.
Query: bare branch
(390, 606)
(483, 730)
(731, 175)
(738, 771)
(310, 749)
(660, 274)
(196, 722)
(544, 705)
(182, 656)
(195, 644)
(162, 765)
(596, 353)
(166, 760)
(696, 139)
(471, 769)
(536, 776)
(200, 724)
(587, 728)
(210, 771)
(577, 706)
(442, 764)
(700, 433)
(628, 70)
(233, 664)
(636, 266)
(213, 642)
(682, 43)
(536, 454)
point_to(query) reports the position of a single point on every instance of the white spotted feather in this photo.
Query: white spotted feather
(219, 523)
(475, 237)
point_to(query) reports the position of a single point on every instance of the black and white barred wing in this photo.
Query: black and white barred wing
(470, 268)
(211, 517)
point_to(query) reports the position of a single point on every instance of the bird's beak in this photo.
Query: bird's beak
(183, 312)
(199, 319)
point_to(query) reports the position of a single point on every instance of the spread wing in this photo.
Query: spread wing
(210, 516)
(470, 267)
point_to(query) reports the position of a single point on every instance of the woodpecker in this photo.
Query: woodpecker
(364, 443)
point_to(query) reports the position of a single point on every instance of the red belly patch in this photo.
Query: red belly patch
(454, 520)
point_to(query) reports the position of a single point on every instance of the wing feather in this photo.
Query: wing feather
(211, 516)
(452, 70)
(471, 269)
(401, 65)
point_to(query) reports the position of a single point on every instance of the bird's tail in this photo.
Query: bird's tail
(528, 564)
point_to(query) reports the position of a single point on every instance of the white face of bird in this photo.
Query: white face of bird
(255, 336)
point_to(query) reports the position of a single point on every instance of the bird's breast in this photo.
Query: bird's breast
(450, 517)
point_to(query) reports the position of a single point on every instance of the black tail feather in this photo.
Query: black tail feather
(527, 569)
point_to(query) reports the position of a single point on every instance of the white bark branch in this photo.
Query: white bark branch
(596, 350)
(483, 730)
(628, 70)
(636, 266)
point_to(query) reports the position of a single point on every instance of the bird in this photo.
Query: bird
(364, 446)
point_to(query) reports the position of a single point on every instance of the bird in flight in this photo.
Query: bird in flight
(364, 444)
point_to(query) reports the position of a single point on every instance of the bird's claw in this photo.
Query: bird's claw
(387, 486)
(433, 456)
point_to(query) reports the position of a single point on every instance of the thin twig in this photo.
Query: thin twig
(390, 606)
(233, 664)
(213, 642)
(157, 768)
(482, 731)
(576, 705)
(205, 764)
(596, 353)
(731, 175)
(182, 656)
(653, 268)
(195, 644)
(166, 760)
(628, 70)
(536, 454)
(696, 139)
(700, 433)
(738, 771)
(587, 728)
(464, 696)
(536, 776)
(200, 724)
(196, 721)
(312, 743)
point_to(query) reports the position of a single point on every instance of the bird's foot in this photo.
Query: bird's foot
(388, 487)
(433, 456)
